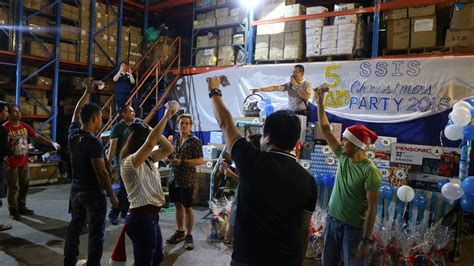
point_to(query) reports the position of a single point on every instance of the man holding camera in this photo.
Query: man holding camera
(124, 82)
(299, 91)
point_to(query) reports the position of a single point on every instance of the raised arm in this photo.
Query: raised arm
(222, 114)
(132, 80)
(117, 76)
(76, 117)
(268, 89)
(324, 122)
(144, 152)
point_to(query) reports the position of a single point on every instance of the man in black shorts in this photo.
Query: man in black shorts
(188, 155)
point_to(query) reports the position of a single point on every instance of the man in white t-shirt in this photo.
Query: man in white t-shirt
(299, 91)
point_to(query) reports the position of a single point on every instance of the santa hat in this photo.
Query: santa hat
(360, 136)
(119, 256)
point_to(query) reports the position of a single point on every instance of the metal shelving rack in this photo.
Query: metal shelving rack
(14, 56)
(245, 25)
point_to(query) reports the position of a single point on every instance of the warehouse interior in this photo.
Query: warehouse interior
(48, 48)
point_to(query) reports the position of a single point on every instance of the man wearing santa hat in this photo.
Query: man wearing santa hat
(353, 205)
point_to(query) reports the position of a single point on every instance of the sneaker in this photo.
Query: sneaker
(177, 237)
(26, 211)
(113, 220)
(189, 243)
(15, 215)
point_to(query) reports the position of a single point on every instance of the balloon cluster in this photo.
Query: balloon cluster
(458, 126)
(266, 107)
(325, 179)
(467, 201)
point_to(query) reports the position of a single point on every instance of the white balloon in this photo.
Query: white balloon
(453, 132)
(461, 116)
(455, 181)
(462, 104)
(261, 105)
(452, 191)
(405, 193)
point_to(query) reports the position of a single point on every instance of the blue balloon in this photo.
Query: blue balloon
(386, 192)
(269, 109)
(441, 183)
(468, 185)
(468, 132)
(267, 101)
(467, 203)
(470, 101)
(450, 122)
(419, 201)
(319, 178)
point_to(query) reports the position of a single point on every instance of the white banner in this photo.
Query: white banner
(380, 91)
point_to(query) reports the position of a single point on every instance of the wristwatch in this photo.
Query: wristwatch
(367, 241)
(215, 92)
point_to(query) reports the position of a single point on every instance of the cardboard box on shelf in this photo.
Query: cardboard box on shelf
(310, 52)
(330, 29)
(422, 11)
(345, 50)
(262, 53)
(294, 10)
(226, 56)
(349, 44)
(316, 10)
(42, 80)
(277, 41)
(40, 111)
(332, 36)
(316, 31)
(313, 38)
(211, 14)
(4, 18)
(222, 12)
(463, 18)
(269, 29)
(293, 52)
(329, 51)
(423, 32)
(348, 19)
(293, 39)
(398, 34)
(315, 23)
(459, 38)
(262, 41)
(395, 14)
(238, 38)
(276, 53)
(272, 11)
(206, 57)
(328, 44)
(293, 26)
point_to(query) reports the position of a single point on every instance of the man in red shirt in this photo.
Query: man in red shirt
(18, 174)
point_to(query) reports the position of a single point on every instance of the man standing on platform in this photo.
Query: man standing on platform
(5, 151)
(91, 174)
(277, 196)
(188, 155)
(116, 142)
(18, 174)
(353, 204)
(299, 91)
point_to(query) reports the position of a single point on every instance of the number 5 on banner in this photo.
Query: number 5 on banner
(329, 74)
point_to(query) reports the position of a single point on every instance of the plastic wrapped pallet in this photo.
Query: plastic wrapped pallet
(226, 56)
(277, 44)
(294, 10)
(262, 53)
(206, 57)
(346, 34)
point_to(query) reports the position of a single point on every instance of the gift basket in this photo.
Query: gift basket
(220, 216)
(250, 106)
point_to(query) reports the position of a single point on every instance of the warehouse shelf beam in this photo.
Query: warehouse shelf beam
(168, 4)
(48, 62)
(375, 30)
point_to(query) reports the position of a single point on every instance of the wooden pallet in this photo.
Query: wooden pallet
(284, 61)
(338, 57)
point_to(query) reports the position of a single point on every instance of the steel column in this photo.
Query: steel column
(19, 52)
(250, 35)
(375, 33)
(54, 110)
(91, 38)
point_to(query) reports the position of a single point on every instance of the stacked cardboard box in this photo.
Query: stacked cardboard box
(37, 5)
(329, 40)
(165, 51)
(67, 52)
(206, 57)
(294, 32)
(205, 20)
(40, 26)
(347, 19)
(225, 36)
(37, 49)
(209, 40)
(262, 47)
(27, 106)
(461, 28)
(398, 29)
(70, 32)
(205, 3)
(85, 29)
(70, 12)
(226, 56)
(423, 26)
(4, 17)
(314, 30)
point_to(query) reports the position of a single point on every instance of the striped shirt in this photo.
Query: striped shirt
(143, 184)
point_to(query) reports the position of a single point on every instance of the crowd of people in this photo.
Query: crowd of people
(276, 196)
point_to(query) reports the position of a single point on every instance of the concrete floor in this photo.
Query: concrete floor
(39, 239)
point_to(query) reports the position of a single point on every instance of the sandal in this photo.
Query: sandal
(5, 227)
